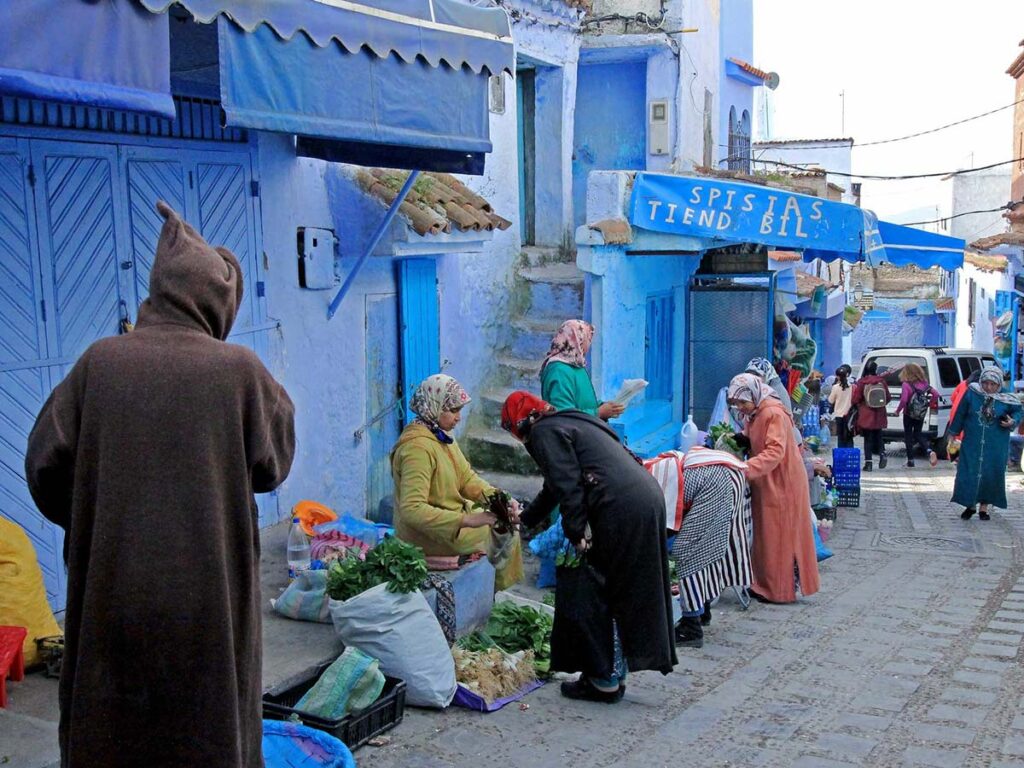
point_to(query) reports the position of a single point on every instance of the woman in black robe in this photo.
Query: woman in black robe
(613, 511)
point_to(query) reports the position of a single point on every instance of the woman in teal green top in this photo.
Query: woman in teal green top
(564, 380)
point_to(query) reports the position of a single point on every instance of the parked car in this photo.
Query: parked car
(945, 369)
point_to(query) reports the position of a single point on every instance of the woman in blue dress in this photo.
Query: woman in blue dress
(986, 416)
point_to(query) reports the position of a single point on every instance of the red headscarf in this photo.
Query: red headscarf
(518, 407)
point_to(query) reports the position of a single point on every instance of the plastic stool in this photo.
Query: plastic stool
(12, 658)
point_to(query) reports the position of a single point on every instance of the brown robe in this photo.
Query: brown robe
(781, 507)
(148, 455)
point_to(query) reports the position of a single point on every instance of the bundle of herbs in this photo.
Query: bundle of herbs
(400, 565)
(499, 504)
(493, 674)
(723, 438)
(513, 628)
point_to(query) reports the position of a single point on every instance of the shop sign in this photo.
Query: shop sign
(725, 210)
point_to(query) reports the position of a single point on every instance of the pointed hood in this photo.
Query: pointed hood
(192, 283)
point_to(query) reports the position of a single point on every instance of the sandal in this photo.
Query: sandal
(984, 515)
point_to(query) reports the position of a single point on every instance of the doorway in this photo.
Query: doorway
(526, 119)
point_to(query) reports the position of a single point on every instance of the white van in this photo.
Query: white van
(945, 369)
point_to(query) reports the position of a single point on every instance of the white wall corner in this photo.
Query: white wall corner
(608, 195)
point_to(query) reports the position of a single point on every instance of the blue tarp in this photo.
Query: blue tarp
(105, 53)
(733, 211)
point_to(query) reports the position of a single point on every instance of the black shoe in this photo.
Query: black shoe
(984, 515)
(910, 464)
(705, 618)
(968, 513)
(760, 598)
(584, 690)
(867, 466)
(882, 461)
(689, 633)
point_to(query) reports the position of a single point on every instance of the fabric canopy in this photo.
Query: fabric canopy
(104, 53)
(436, 31)
(902, 246)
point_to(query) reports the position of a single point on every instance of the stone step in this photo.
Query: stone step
(496, 450)
(539, 255)
(523, 487)
(490, 403)
(554, 293)
(532, 338)
(519, 373)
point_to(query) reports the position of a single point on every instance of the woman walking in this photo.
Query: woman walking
(841, 399)
(917, 398)
(783, 539)
(564, 380)
(436, 489)
(614, 513)
(870, 395)
(986, 417)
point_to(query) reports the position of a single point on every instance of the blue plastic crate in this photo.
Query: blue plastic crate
(846, 478)
(848, 497)
(845, 459)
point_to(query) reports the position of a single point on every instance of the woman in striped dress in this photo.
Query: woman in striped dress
(712, 516)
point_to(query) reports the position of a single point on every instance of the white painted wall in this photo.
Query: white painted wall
(977, 192)
(700, 68)
(986, 284)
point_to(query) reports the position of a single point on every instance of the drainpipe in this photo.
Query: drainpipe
(377, 235)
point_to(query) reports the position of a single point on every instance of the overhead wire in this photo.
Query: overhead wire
(878, 177)
(1006, 207)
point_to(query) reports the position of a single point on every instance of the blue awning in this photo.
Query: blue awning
(104, 53)
(821, 229)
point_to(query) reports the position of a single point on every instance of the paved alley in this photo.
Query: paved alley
(908, 656)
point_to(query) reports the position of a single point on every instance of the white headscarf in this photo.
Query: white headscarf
(748, 387)
(994, 375)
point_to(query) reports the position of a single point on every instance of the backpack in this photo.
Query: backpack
(919, 404)
(876, 395)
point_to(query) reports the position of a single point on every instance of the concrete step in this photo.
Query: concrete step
(532, 338)
(490, 403)
(555, 292)
(539, 255)
(496, 450)
(523, 487)
(519, 373)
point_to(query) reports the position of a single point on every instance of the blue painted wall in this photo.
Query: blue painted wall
(736, 41)
(611, 124)
(899, 331)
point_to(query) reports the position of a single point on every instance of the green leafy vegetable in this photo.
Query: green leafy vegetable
(724, 432)
(400, 565)
(522, 628)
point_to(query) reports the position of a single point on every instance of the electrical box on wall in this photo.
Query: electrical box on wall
(317, 256)
(657, 127)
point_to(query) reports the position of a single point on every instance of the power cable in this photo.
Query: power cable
(914, 135)
(1007, 207)
(877, 177)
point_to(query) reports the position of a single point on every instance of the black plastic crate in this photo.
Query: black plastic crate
(354, 729)
(848, 497)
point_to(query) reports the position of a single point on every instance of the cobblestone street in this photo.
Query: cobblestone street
(908, 656)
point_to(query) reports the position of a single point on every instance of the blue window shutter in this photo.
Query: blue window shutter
(420, 331)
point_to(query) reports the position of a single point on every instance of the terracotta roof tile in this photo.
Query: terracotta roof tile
(806, 283)
(776, 142)
(986, 263)
(993, 241)
(784, 256)
(759, 73)
(436, 202)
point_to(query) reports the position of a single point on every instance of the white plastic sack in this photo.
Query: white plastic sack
(403, 633)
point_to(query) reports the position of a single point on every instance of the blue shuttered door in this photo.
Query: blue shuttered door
(420, 329)
(658, 347)
(24, 380)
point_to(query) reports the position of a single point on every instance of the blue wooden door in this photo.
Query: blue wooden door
(659, 347)
(383, 401)
(420, 325)
(24, 378)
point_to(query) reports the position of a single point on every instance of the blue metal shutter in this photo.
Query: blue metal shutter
(24, 381)
(658, 346)
(421, 331)
(151, 176)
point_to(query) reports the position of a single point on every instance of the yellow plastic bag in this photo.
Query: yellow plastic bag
(22, 594)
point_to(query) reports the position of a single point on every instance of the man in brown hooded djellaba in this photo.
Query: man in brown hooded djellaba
(148, 455)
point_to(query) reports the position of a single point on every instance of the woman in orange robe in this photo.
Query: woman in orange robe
(783, 550)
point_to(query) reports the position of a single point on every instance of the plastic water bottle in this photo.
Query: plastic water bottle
(689, 435)
(298, 549)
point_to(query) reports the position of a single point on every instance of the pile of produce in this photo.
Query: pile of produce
(513, 628)
(723, 439)
(493, 674)
(400, 565)
(498, 504)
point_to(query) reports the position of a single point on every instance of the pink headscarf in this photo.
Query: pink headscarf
(747, 386)
(571, 344)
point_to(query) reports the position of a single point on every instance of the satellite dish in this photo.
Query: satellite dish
(773, 80)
